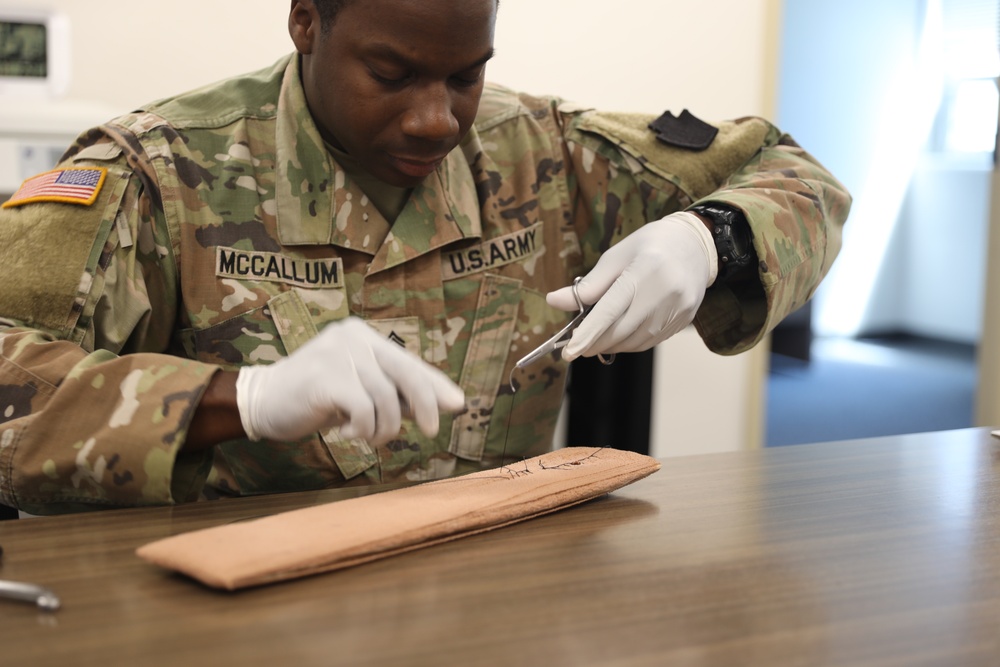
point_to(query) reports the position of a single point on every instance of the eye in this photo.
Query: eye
(388, 80)
(468, 79)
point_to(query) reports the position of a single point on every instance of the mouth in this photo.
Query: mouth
(416, 168)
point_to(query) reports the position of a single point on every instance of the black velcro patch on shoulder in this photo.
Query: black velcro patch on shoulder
(684, 131)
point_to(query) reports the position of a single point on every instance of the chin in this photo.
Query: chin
(398, 180)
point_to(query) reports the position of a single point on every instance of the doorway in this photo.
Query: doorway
(899, 100)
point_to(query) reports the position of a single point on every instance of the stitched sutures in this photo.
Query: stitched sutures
(510, 413)
(510, 471)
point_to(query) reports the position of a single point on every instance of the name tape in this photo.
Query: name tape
(513, 247)
(277, 268)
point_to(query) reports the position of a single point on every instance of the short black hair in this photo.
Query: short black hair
(328, 10)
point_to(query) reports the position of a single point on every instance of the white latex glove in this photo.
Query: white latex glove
(644, 289)
(348, 375)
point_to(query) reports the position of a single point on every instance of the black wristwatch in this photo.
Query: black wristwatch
(733, 241)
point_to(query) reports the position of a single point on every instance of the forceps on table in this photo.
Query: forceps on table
(43, 598)
(562, 338)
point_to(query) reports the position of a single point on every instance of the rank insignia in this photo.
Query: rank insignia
(684, 131)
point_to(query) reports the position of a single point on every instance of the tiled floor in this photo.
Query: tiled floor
(870, 387)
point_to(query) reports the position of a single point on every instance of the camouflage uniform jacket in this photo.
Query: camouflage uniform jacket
(224, 234)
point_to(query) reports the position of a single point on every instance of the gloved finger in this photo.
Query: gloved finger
(358, 416)
(595, 284)
(427, 392)
(562, 299)
(373, 406)
(388, 419)
(334, 417)
(605, 313)
(450, 397)
(591, 288)
(616, 336)
(635, 339)
(642, 328)
(416, 393)
(447, 397)
(642, 339)
(384, 395)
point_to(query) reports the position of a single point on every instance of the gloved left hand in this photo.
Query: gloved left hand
(350, 376)
(645, 289)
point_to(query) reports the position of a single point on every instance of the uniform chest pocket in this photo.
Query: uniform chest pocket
(299, 314)
(266, 333)
(248, 337)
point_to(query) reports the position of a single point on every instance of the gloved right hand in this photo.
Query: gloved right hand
(348, 376)
(644, 289)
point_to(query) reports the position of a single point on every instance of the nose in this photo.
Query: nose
(431, 116)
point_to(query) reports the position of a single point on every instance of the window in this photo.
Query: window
(967, 120)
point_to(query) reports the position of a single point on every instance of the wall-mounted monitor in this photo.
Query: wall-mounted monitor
(34, 54)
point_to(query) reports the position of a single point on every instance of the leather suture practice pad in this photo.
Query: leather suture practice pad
(349, 532)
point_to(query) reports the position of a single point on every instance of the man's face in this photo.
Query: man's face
(395, 83)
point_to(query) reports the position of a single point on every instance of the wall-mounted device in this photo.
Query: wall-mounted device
(34, 54)
(37, 119)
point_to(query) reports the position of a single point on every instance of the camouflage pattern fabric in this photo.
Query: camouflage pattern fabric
(225, 234)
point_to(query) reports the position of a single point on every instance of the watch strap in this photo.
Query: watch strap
(732, 236)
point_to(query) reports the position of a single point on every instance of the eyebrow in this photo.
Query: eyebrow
(386, 51)
(482, 61)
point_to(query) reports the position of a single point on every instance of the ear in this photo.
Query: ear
(304, 25)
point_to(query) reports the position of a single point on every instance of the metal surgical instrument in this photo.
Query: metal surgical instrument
(43, 597)
(562, 338)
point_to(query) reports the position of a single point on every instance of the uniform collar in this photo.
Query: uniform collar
(317, 204)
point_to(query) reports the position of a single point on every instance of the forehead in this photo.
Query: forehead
(451, 20)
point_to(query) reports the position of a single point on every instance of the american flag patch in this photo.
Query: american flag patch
(76, 185)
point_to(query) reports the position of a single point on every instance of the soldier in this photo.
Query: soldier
(321, 274)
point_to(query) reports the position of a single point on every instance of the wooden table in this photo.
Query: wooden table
(868, 552)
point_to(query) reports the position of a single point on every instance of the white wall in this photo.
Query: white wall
(129, 53)
(628, 54)
(714, 57)
(943, 280)
(711, 56)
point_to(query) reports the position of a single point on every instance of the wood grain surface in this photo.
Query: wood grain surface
(870, 552)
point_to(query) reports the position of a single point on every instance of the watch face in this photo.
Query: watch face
(23, 50)
(741, 243)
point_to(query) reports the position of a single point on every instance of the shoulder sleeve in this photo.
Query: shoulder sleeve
(796, 210)
(94, 412)
(53, 243)
(795, 207)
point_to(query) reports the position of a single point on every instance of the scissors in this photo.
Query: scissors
(562, 338)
